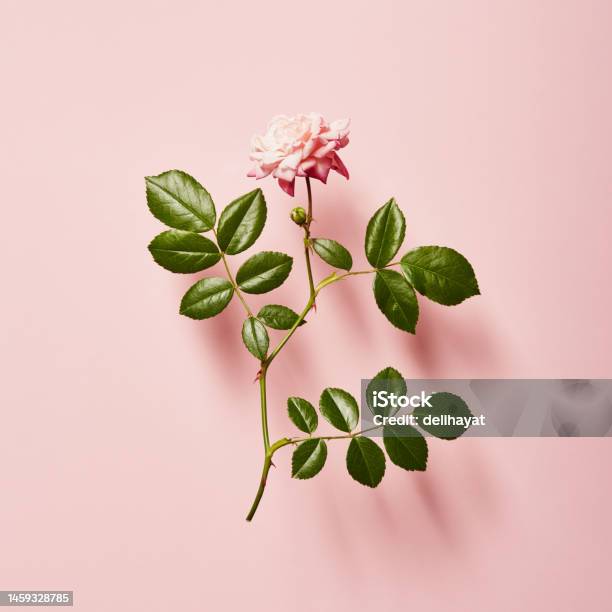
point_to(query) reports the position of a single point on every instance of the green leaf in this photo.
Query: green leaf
(303, 414)
(178, 200)
(396, 299)
(441, 274)
(365, 461)
(431, 419)
(207, 298)
(389, 380)
(385, 234)
(406, 447)
(264, 271)
(278, 317)
(255, 338)
(308, 459)
(184, 252)
(241, 222)
(339, 408)
(333, 253)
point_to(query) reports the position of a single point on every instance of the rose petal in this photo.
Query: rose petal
(321, 169)
(337, 129)
(285, 173)
(262, 172)
(292, 161)
(287, 186)
(307, 164)
(309, 147)
(339, 166)
(340, 125)
(302, 145)
(324, 150)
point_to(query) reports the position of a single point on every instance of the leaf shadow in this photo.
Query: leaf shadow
(223, 342)
(436, 502)
(425, 511)
(348, 299)
(440, 345)
(444, 507)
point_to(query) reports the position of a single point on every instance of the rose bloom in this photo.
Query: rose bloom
(304, 145)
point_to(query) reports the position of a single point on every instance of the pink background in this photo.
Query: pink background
(130, 443)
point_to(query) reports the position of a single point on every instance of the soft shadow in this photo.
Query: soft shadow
(484, 484)
(440, 343)
(223, 342)
(438, 508)
(451, 508)
(421, 348)
(387, 511)
(349, 300)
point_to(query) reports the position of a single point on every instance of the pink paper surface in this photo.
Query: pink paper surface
(130, 440)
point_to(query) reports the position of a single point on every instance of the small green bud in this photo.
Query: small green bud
(298, 215)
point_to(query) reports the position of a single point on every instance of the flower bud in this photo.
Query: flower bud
(298, 215)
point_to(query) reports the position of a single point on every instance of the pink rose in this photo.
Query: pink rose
(304, 145)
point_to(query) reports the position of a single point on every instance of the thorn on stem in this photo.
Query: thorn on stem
(257, 377)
